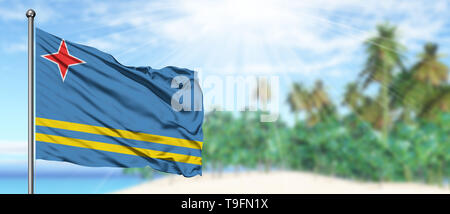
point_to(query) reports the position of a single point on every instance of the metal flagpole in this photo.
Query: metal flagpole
(30, 15)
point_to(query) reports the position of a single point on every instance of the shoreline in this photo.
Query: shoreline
(276, 182)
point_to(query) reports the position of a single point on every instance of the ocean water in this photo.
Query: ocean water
(68, 185)
(64, 178)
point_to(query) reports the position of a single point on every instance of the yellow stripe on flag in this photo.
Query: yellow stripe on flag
(118, 133)
(118, 148)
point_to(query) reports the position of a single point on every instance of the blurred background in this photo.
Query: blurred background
(362, 91)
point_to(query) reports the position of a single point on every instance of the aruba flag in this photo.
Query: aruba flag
(93, 111)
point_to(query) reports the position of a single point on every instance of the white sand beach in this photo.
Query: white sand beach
(276, 182)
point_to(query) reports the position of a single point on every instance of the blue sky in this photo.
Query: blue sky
(297, 41)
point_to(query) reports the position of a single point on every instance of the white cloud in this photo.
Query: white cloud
(12, 147)
(16, 11)
(16, 47)
(235, 35)
(7, 14)
(13, 151)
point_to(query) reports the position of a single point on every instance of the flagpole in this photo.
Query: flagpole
(30, 15)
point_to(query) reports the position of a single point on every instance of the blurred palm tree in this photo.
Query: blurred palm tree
(316, 103)
(319, 96)
(432, 76)
(353, 96)
(436, 103)
(384, 57)
(263, 92)
(323, 107)
(370, 111)
(424, 89)
(429, 69)
(298, 100)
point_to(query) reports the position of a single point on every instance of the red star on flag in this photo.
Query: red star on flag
(63, 59)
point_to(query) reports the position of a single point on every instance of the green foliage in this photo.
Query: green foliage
(423, 90)
(429, 69)
(347, 147)
(314, 102)
(384, 57)
(232, 139)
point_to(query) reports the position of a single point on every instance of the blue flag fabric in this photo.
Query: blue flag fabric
(93, 111)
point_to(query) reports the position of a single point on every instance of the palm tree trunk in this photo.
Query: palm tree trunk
(385, 106)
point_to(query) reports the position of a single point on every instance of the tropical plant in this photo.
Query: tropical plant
(324, 108)
(298, 100)
(424, 89)
(315, 103)
(263, 92)
(384, 57)
(353, 97)
(429, 69)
